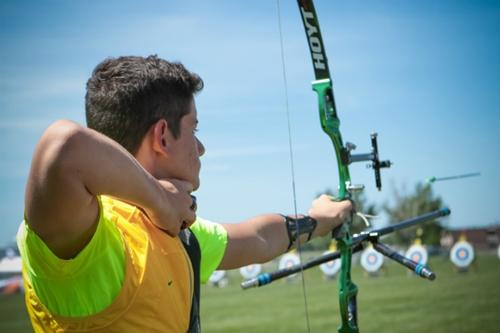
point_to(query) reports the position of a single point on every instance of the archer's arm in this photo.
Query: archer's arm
(265, 237)
(72, 165)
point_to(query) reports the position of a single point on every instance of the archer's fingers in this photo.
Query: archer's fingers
(188, 220)
(189, 216)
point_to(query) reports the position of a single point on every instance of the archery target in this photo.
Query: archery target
(216, 277)
(250, 271)
(418, 254)
(462, 254)
(371, 260)
(289, 260)
(330, 268)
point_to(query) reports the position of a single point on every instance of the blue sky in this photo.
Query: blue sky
(425, 75)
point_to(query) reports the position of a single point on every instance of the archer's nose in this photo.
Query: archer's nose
(201, 147)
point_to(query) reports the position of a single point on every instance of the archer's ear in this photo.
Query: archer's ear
(161, 136)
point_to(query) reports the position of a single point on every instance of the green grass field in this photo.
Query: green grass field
(393, 302)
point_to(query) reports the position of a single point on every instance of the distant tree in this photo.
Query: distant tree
(405, 206)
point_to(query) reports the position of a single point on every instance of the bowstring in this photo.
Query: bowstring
(292, 167)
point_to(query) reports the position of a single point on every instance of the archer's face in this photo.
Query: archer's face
(185, 151)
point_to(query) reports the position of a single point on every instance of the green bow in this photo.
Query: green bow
(330, 124)
(347, 243)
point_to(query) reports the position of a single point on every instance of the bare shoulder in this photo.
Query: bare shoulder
(58, 206)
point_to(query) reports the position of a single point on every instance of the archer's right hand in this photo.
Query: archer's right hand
(176, 208)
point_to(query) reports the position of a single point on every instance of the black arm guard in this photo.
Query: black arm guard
(299, 226)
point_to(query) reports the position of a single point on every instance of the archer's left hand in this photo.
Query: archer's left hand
(329, 213)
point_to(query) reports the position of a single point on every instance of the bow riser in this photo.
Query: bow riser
(331, 126)
(347, 289)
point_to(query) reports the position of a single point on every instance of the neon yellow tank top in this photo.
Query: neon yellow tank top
(89, 283)
(97, 270)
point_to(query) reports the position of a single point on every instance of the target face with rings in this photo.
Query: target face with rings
(250, 271)
(330, 268)
(418, 254)
(288, 260)
(371, 260)
(462, 254)
(217, 276)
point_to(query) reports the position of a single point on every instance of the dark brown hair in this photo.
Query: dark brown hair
(126, 95)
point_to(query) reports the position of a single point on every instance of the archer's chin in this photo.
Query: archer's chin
(196, 184)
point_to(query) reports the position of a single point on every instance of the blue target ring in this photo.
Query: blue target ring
(416, 256)
(288, 260)
(372, 259)
(463, 254)
(330, 264)
(330, 268)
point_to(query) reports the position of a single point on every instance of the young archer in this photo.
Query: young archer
(111, 241)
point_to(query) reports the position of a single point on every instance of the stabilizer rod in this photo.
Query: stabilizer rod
(266, 278)
(419, 269)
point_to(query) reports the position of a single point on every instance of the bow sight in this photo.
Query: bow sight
(376, 165)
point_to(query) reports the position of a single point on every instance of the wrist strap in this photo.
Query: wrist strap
(299, 226)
